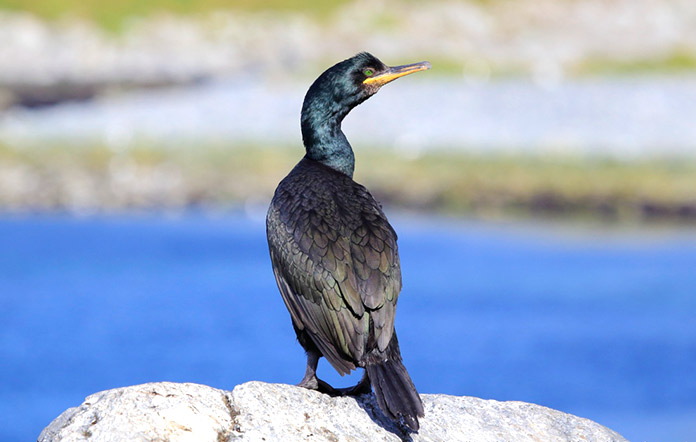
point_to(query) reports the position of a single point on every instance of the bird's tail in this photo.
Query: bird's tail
(395, 392)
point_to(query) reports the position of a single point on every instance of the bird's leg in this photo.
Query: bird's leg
(310, 379)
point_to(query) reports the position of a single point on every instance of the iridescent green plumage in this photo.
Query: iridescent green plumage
(334, 253)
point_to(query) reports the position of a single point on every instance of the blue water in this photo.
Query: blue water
(593, 322)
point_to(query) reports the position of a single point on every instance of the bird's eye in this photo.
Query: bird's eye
(368, 72)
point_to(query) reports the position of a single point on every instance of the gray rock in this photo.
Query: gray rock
(257, 411)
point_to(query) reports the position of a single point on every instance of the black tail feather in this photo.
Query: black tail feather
(395, 392)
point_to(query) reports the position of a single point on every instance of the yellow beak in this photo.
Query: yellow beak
(395, 72)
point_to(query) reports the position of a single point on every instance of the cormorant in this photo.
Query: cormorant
(334, 253)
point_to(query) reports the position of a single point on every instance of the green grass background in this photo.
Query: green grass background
(461, 183)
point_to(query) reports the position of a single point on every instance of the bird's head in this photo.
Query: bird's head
(338, 90)
(350, 82)
(368, 73)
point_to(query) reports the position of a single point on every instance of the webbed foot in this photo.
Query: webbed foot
(310, 381)
(314, 383)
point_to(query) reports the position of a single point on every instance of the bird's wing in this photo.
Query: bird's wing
(314, 298)
(373, 269)
(322, 314)
(336, 260)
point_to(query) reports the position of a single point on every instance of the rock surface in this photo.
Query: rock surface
(257, 411)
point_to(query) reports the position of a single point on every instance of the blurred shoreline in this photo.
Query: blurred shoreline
(488, 186)
(622, 117)
(554, 108)
(71, 56)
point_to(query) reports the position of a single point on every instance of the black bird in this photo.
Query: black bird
(334, 253)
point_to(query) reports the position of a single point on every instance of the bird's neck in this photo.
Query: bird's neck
(322, 135)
